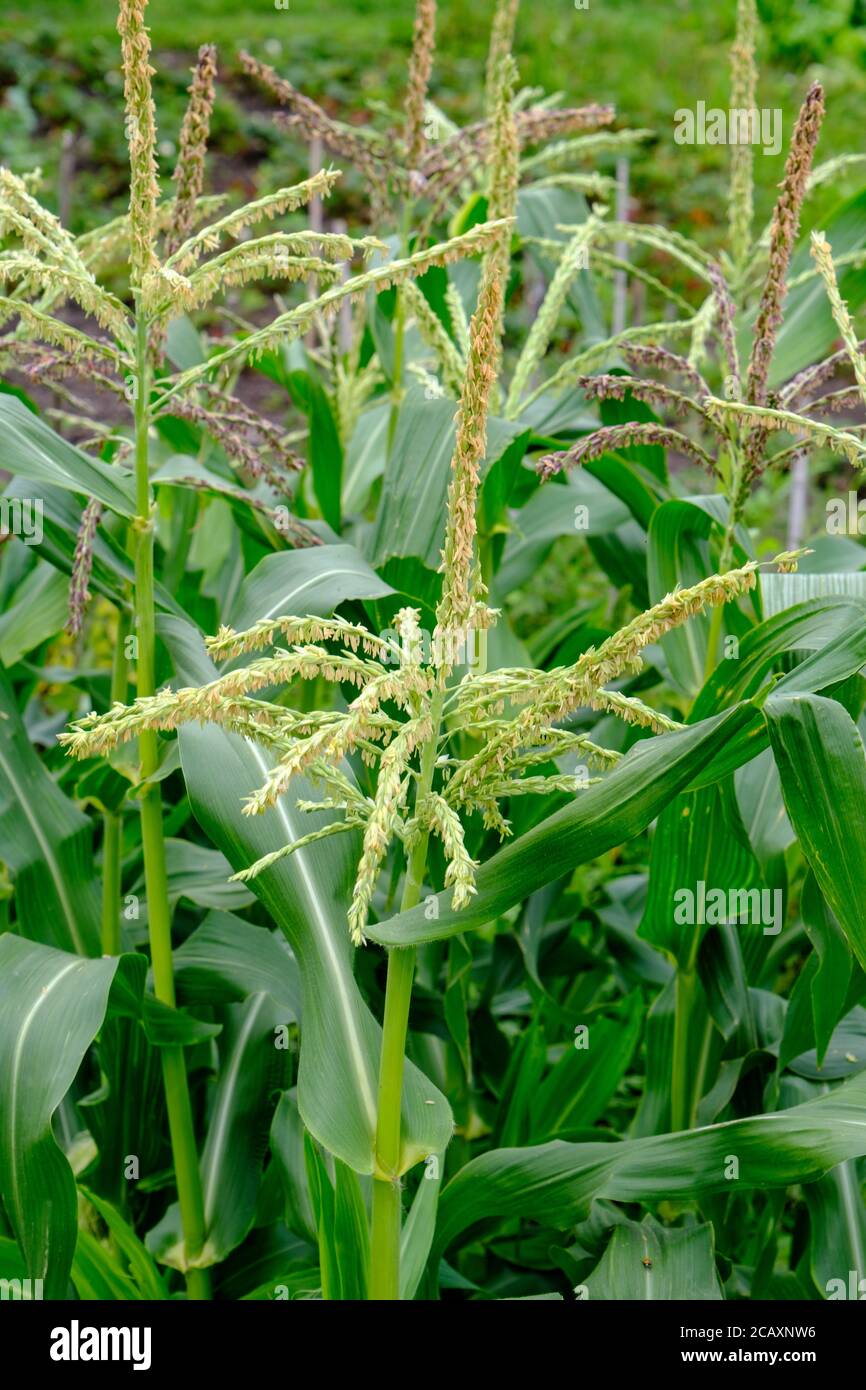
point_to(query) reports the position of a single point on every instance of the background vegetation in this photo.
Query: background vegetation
(60, 72)
(220, 456)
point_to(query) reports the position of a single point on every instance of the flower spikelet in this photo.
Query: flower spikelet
(783, 234)
(391, 792)
(460, 873)
(189, 171)
(82, 566)
(455, 609)
(744, 78)
(141, 138)
(420, 66)
(822, 254)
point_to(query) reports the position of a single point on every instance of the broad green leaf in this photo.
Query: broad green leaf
(781, 591)
(556, 1183)
(307, 895)
(201, 876)
(287, 1152)
(605, 814)
(821, 762)
(140, 1265)
(678, 554)
(581, 507)
(654, 1110)
(297, 582)
(226, 959)
(698, 846)
(725, 961)
(322, 1197)
(759, 797)
(365, 456)
(187, 472)
(126, 1114)
(829, 985)
(837, 1216)
(36, 611)
(14, 1270)
(326, 451)
(832, 630)
(113, 572)
(638, 489)
(410, 520)
(31, 449)
(52, 1005)
(46, 842)
(351, 1233)
(648, 1261)
(270, 1257)
(167, 1026)
(845, 1055)
(577, 1090)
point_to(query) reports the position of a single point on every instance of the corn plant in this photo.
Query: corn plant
(426, 947)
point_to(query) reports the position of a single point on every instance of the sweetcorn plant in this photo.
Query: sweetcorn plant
(409, 752)
(405, 714)
(178, 261)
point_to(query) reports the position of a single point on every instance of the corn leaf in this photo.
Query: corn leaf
(46, 842)
(46, 995)
(31, 449)
(648, 1261)
(819, 753)
(557, 1182)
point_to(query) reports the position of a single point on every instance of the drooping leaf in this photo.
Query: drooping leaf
(36, 611)
(113, 572)
(821, 762)
(226, 959)
(581, 507)
(831, 629)
(781, 591)
(46, 841)
(557, 1182)
(52, 1005)
(31, 449)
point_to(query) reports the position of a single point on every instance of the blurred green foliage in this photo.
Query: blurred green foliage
(60, 80)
